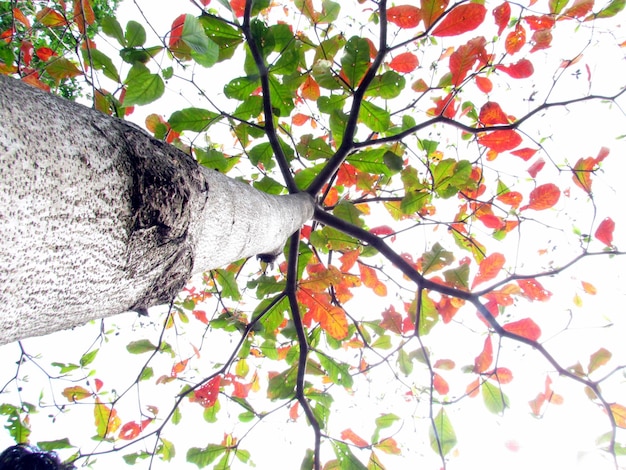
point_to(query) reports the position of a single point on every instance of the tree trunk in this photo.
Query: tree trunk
(97, 217)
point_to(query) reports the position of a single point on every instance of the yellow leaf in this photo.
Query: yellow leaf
(619, 415)
(578, 301)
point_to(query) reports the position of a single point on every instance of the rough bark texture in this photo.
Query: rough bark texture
(97, 217)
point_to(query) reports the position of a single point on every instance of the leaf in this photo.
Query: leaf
(483, 83)
(61, 68)
(440, 385)
(310, 90)
(589, 288)
(404, 16)
(465, 17)
(598, 359)
(485, 358)
(207, 394)
(543, 197)
(106, 419)
(83, 14)
(579, 9)
(444, 364)
(463, 59)
(388, 446)
(192, 119)
(435, 259)
(141, 346)
(135, 35)
(495, 400)
(48, 17)
(76, 393)
(500, 141)
(356, 60)
(442, 436)
(404, 63)
(612, 9)
(502, 14)
(604, 232)
(533, 290)
(432, 10)
(526, 328)
(521, 69)
(515, 40)
(142, 87)
(345, 457)
(619, 415)
(350, 435)
(582, 173)
(491, 113)
(557, 5)
(203, 457)
(370, 279)
(524, 153)
(489, 268)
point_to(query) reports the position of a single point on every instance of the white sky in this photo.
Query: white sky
(564, 437)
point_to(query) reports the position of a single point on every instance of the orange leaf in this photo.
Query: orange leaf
(238, 7)
(512, 198)
(483, 84)
(440, 385)
(392, 320)
(604, 233)
(201, 316)
(485, 358)
(299, 119)
(310, 89)
(515, 40)
(293, 411)
(491, 113)
(404, 63)
(404, 16)
(589, 288)
(348, 259)
(473, 388)
(44, 53)
(464, 18)
(582, 173)
(83, 14)
(370, 279)
(489, 268)
(502, 14)
(179, 367)
(533, 290)
(500, 141)
(388, 446)
(619, 415)
(502, 375)
(48, 17)
(537, 403)
(350, 435)
(525, 328)
(522, 69)
(19, 16)
(543, 197)
(432, 10)
(579, 8)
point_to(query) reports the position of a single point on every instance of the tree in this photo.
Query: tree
(451, 214)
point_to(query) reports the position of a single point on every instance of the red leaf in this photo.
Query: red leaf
(582, 173)
(533, 290)
(464, 58)
(205, 2)
(491, 221)
(502, 14)
(522, 69)
(238, 7)
(432, 10)
(176, 33)
(525, 328)
(27, 50)
(525, 153)
(201, 316)
(99, 384)
(500, 141)
(543, 197)
(537, 23)
(404, 16)
(485, 358)
(464, 18)
(445, 106)
(483, 84)
(536, 167)
(604, 233)
(491, 113)
(350, 435)
(129, 431)
(392, 320)
(404, 63)
(440, 385)
(541, 39)
(208, 393)
(489, 268)
(44, 53)
(515, 40)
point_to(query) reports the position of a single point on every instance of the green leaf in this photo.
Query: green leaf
(228, 283)
(404, 362)
(429, 316)
(215, 160)
(612, 9)
(241, 88)
(393, 162)
(374, 117)
(88, 357)
(203, 457)
(338, 373)
(194, 35)
(442, 434)
(222, 34)
(356, 60)
(192, 119)
(282, 386)
(112, 28)
(101, 61)
(314, 148)
(49, 446)
(495, 400)
(135, 34)
(458, 277)
(347, 211)
(347, 460)
(146, 373)
(436, 258)
(556, 6)
(281, 97)
(141, 346)
(142, 87)
(139, 55)
(383, 342)
(387, 86)
(370, 161)
(210, 413)
(65, 368)
(166, 450)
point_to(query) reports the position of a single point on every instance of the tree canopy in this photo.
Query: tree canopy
(464, 253)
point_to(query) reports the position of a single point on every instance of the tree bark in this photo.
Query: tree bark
(98, 218)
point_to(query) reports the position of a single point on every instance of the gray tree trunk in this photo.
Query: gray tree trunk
(98, 218)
